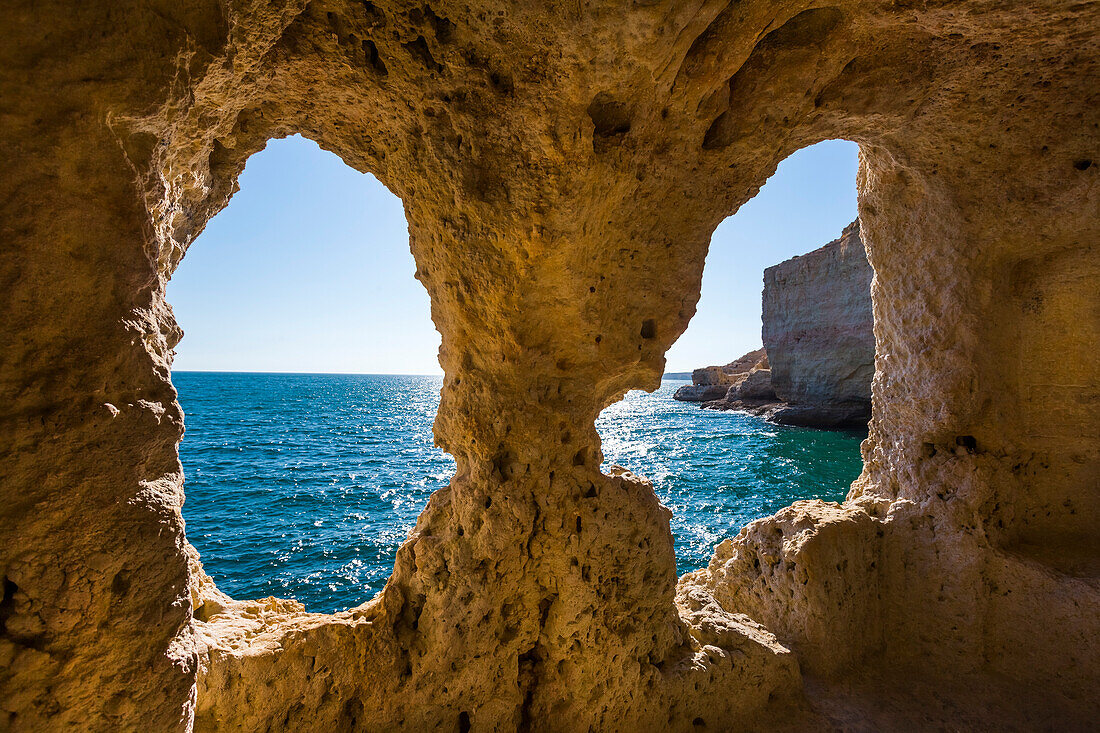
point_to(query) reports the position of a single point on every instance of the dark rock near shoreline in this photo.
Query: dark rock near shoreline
(836, 417)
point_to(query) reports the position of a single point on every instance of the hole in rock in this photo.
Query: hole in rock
(720, 469)
(967, 443)
(120, 584)
(309, 382)
(7, 603)
(370, 50)
(609, 116)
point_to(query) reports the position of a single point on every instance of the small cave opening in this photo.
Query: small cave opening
(787, 272)
(309, 381)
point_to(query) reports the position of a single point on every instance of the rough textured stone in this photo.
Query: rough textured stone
(757, 385)
(818, 327)
(562, 166)
(701, 392)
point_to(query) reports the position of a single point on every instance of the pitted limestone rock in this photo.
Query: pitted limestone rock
(562, 167)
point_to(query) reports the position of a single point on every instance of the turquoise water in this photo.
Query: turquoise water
(303, 485)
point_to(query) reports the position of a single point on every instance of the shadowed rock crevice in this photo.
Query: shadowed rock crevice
(374, 58)
(610, 119)
(420, 51)
(795, 44)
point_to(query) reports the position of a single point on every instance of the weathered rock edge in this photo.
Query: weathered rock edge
(562, 167)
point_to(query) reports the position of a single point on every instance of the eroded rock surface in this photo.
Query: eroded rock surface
(562, 167)
(756, 385)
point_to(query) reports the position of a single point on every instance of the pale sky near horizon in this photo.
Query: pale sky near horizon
(308, 268)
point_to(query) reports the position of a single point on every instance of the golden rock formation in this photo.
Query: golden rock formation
(562, 166)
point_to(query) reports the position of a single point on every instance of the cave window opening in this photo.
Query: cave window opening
(719, 470)
(309, 381)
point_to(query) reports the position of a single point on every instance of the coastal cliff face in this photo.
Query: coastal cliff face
(818, 328)
(818, 358)
(562, 168)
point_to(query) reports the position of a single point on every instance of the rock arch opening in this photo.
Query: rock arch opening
(307, 383)
(721, 467)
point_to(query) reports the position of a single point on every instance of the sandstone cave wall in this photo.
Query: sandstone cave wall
(562, 167)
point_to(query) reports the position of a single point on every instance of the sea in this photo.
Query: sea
(304, 485)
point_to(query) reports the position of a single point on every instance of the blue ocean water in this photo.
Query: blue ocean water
(304, 485)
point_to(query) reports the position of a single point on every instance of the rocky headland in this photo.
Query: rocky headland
(713, 382)
(818, 358)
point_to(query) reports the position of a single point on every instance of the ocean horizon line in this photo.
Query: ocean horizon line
(298, 373)
(670, 374)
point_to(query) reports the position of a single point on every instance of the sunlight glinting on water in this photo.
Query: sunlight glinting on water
(304, 486)
(717, 471)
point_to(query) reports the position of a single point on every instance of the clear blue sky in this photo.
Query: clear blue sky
(308, 269)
